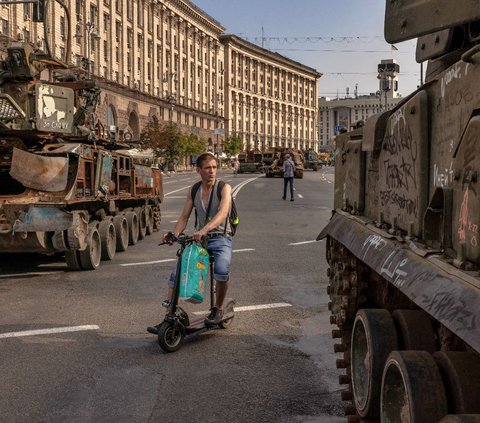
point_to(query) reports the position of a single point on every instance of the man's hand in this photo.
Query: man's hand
(168, 238)
(198, 235)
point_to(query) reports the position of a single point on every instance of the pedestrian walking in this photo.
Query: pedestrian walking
(288, 173)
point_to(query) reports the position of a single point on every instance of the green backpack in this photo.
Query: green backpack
(232, 217)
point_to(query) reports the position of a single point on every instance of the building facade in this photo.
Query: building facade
(169, 58)
(335, 115)
(271, 100)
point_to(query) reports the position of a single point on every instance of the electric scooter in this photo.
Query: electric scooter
(177, 324)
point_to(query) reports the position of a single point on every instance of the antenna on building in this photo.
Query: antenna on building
(356, 91)
(263, 35)
(348, 91)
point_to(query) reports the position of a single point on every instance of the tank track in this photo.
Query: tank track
(346, 289)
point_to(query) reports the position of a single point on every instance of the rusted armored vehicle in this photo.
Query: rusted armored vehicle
(276, 168)
(250, 161)
(63, 187)
(403, 244)
(311, 160)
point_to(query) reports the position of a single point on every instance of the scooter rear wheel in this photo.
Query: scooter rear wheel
(170, 337)
(228, 310)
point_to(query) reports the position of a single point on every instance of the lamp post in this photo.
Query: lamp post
(91, 34)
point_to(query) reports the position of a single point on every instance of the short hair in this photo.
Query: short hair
(204, 157)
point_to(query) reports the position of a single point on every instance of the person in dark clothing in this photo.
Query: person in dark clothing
(288, 173)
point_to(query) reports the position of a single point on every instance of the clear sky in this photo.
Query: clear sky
(342, 39)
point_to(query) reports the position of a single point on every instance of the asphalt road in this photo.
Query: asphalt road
(272, 365)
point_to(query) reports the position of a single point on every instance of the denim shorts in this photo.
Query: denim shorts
(221, 247)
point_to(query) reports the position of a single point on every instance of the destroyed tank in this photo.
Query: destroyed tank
(403, 242)
(64, 187)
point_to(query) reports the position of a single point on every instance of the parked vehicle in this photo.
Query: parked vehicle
(311, 160)
(250, 161)
(276, 168)
(66, 186)
(403, 243)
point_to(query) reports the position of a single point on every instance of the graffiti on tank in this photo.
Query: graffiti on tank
(375, 242)
(442, 177)
(463, 217)
(451, 75)
(391, 197)
(392, 269)
(399, 175)
(448, 306)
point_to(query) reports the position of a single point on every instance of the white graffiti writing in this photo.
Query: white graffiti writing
(450, 75)
(373, 241)
(391, 268)
(442, 177)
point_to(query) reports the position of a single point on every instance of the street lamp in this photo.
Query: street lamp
(91, 35)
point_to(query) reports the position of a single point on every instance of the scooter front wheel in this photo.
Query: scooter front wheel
(170, 337)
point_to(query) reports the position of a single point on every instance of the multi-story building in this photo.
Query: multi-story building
(337, 114)
(271, 100)
(158, 58)
(169, 58)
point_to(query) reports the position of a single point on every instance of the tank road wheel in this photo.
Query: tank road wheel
(90, 257)
(373, 339)
(132, 220)
(461, 373)
(121, 231)
(149, 214)
(157, 217)
(108, 238)
(415, 330)
(72, 259)
(412, 389)
(142, 222)
(170, 337)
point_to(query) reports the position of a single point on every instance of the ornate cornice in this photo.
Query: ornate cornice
(244, 45)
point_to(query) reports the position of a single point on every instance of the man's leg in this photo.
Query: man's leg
(221, 289)
(285, 182)
(291, 188)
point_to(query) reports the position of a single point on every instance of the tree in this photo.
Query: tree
(192, 145)
(233, 145)
(169, 142)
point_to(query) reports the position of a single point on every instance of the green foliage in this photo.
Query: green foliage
(233, 145)
(169, 142)
(193, 145)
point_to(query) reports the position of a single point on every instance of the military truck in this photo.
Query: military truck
(250, 161)
(64, 186)
(403, 242)
(311, 160)
(276, 168)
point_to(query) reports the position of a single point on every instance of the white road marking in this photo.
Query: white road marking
(167, 260)
(303, 242)
(147, 262)
(177, 190)
(252, 307)
(48, 331)
(300, 195)
(14, 275)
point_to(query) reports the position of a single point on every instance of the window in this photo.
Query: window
(62, 26)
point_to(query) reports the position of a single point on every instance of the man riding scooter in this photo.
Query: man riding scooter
(212, 209)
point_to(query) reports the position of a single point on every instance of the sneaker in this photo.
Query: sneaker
(283, 198)
(153, 329)
(215, 316)
(166, 303)
(291, 199)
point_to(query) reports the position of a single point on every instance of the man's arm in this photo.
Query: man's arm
(183, 219)
(221, 215)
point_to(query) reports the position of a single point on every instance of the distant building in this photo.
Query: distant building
(170, 59)
(270, 99)
(341, 113)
